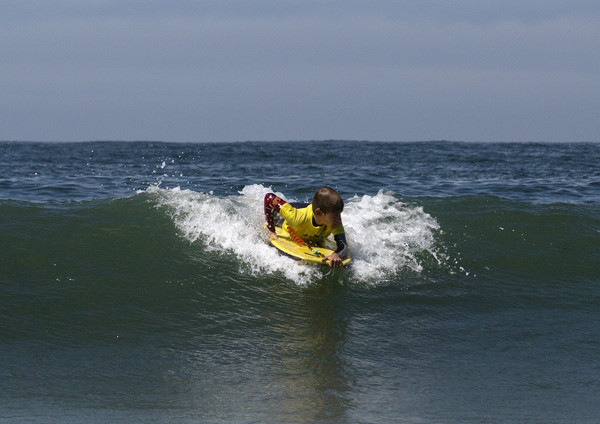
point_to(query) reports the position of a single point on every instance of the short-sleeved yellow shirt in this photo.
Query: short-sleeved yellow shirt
(301, 221)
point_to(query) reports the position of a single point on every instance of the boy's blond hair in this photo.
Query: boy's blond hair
(328, 200)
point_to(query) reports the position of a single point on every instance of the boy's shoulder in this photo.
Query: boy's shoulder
(297, 212)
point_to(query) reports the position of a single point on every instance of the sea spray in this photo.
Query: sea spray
(386, 236)
(232, 224)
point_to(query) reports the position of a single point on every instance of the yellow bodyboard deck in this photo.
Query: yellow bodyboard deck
(308, 254)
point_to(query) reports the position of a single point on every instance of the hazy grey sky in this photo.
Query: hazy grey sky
(473, 70)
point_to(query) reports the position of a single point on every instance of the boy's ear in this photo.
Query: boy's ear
(317, 211)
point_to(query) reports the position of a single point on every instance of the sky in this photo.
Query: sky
(265, 70)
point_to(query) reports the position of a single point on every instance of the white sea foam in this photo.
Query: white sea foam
(387, 235)
(231, 224)
(384, 234)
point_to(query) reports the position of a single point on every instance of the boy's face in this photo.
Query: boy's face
(330, 219)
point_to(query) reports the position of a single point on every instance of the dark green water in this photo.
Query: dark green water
(136, 284)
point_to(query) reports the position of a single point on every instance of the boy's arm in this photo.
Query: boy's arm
(342, 245)
(272, 203)
(335, 259)
(339, 235)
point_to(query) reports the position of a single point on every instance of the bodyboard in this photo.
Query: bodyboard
(307, 254)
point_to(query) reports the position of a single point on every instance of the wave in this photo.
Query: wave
(523, 243)
(177, 234)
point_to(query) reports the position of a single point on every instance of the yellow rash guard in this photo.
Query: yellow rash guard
(302, 222)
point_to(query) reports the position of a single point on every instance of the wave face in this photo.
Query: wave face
(136, 284)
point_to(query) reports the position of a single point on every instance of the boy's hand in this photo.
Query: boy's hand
(272, 235)
(334, 260)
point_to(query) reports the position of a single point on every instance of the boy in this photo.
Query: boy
(312, 222)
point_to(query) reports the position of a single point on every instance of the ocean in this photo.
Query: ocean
(137, 284)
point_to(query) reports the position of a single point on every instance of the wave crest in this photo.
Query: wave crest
(385, 235)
